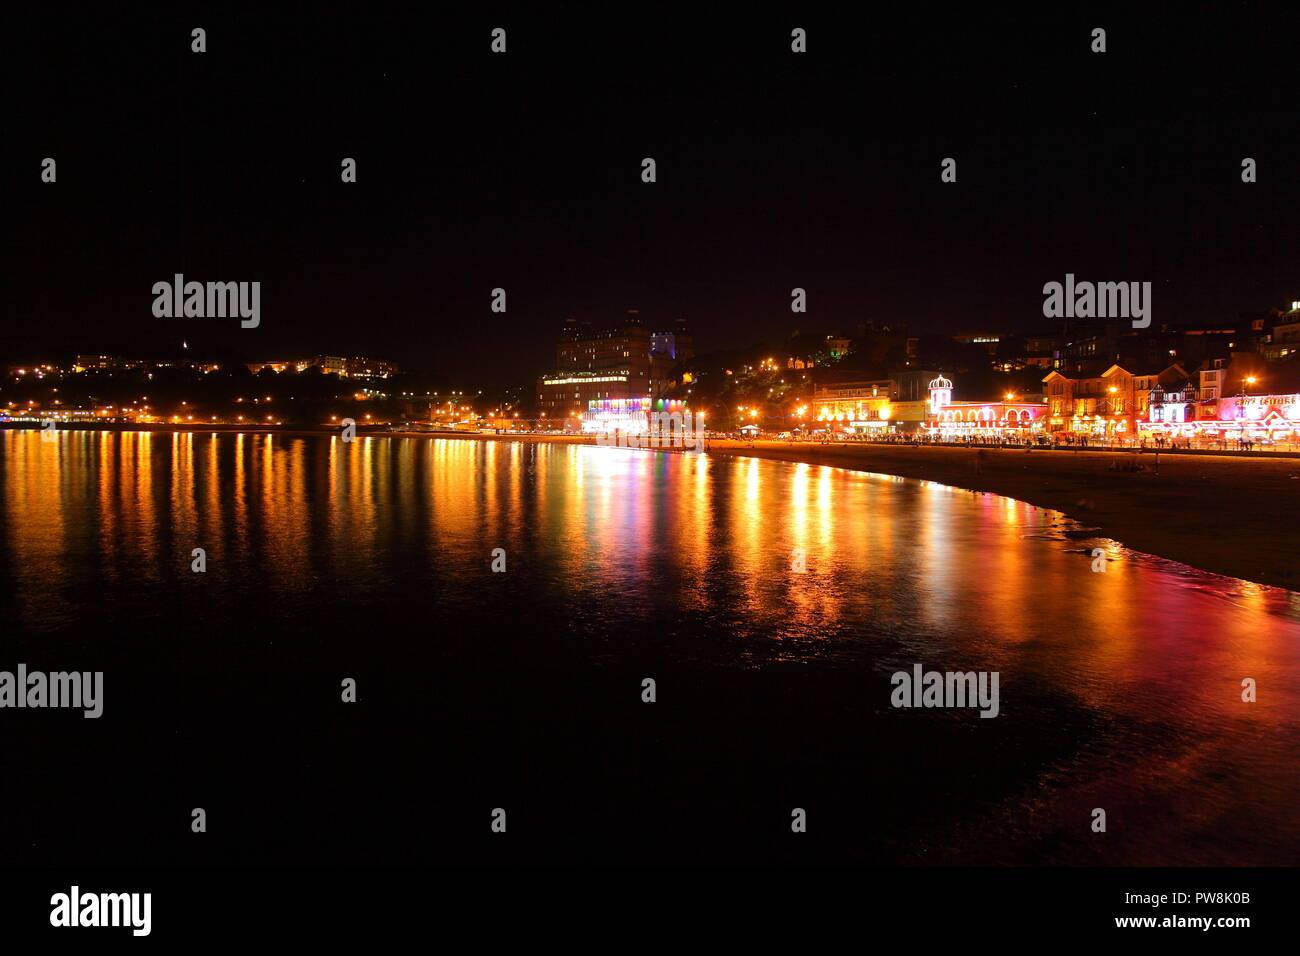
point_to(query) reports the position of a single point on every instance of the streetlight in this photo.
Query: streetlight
(1117, 406)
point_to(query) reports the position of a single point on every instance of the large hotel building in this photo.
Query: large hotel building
(620, 364)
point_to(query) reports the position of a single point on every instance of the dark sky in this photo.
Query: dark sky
(522, 171)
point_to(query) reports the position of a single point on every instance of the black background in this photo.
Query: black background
(522, 171)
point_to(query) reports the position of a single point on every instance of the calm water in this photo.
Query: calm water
(522, 690)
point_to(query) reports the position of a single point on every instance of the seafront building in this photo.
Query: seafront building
(1010, 417)
(625, 364)
(636, 416)
(1108, 404)
(884, 406)
(858, 407)
(1224, 399)
(1267, 418)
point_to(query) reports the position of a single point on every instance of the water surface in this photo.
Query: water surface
(372, 560)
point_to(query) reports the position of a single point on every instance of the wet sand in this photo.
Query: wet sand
(1229, 515)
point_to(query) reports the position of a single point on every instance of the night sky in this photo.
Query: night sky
(522, 171)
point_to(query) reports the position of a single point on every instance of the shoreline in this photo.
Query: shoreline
(1222, 512)
(291, 431)
(1225, 514)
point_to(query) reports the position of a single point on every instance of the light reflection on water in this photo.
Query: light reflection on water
(691, 558)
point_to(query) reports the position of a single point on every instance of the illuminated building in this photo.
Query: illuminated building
(369, 368)
(1211, 381)
(678, 344)
(1253, 417)
(1111, 403)
(1175, 404)
(628, 416)
(1284, 339)
(667, 350)
(105, 363)
(855, 406)
(116, 363)
(875, 408)
(988, 340)
(329, 364)
(1043, 351)
(332, 365)
(623, 363)
(291, 366)
(837, 347)
(940, 395)
(1010, 417)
